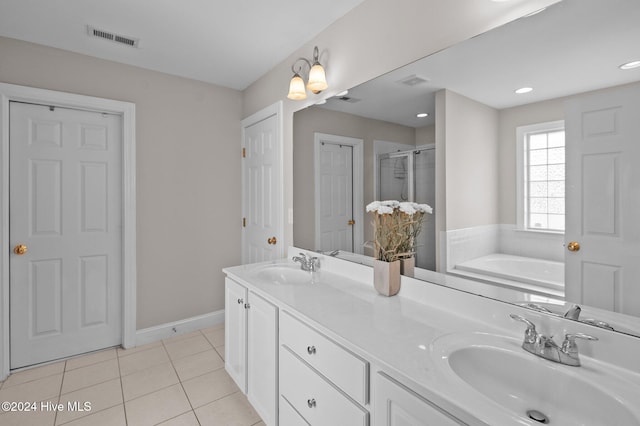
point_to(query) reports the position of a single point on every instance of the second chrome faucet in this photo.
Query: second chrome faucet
(545, 347)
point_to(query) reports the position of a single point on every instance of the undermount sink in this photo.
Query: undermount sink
(528, 390)
(283, 273)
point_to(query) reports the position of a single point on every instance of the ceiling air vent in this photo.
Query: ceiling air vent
(116, 38)
(348, 99)
(413, 80)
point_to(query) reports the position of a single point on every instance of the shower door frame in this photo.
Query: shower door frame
(411, 181)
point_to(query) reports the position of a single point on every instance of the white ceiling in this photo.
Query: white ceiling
(571, 47)
(230, 43)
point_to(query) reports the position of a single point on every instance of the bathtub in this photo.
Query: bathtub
(516, 269)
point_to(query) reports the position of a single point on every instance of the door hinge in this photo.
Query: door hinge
(244, 222)
(244, 152)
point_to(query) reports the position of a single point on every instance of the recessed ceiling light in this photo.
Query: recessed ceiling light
(422, 115)
(524, 90)
(630, 65)
(341, 94)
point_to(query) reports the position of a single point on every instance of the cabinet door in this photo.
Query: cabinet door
(262, 357)
(235, 334)
(396, 405)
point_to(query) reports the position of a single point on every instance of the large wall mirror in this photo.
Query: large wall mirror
(529, 153)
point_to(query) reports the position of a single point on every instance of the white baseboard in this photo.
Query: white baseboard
(170, 329)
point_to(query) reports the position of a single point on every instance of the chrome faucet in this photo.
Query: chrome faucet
(307, 263)
(545, 347)
(574, 314)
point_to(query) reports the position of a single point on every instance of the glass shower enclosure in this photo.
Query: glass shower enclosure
(410, 176)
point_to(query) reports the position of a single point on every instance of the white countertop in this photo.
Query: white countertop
(396, 333)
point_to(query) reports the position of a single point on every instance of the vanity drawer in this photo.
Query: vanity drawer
(288, 415)
(349, 372)
(317, 401)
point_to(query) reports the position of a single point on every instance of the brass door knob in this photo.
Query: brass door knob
(573, 246)
(272, 241)
(351, 222)
(20, 249)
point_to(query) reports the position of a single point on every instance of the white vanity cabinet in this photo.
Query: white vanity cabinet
(321, 381)
(396, 405)
(251, 348)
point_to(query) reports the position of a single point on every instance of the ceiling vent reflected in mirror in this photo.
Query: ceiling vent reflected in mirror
(348, 99)
(413, 80)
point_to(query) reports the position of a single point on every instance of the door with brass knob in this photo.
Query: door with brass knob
(65, 204)
(272, 241)
(20, 249)
(573, 246)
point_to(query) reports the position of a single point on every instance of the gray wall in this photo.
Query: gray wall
(188, 179)
(314, 119)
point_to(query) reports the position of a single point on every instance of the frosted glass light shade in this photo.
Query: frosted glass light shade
(317, 80)
(297, 91)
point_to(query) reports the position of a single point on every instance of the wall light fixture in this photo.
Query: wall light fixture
(317, 81)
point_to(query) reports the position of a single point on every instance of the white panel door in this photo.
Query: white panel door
(262, 358)
(65, 208)
(262, 202)
(603, 201)
(336, 197)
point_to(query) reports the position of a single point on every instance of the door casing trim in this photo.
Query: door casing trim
(12, 92)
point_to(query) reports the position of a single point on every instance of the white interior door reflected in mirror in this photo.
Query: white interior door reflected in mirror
(602, 213)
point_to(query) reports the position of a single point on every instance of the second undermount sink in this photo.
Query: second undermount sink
(528, 390)
(283, 273)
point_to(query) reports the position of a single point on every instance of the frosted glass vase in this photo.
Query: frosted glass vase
(386, 277)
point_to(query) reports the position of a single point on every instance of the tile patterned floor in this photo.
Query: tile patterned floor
(177, 381)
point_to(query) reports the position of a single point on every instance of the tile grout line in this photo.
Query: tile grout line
(124, 407)
(64, 373)
(181, 386)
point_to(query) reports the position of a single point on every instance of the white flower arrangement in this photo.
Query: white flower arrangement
(397, 226)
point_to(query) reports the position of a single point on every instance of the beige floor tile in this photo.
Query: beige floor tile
(100, 397)
(157, 407)
(35, 373)
(187, 419)
(90, 375)
(187, 347)
(179, 337)
(220, 350)
(216, 337)
(148, 380)
(233, 410)
(195, 365)
(209, 387)
(31, 418)
(113, 416)
(142, 360)
(92, 358)
(36, 390)
(131, 351)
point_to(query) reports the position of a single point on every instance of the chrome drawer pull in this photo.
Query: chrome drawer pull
(311, 350)
(311, 402)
